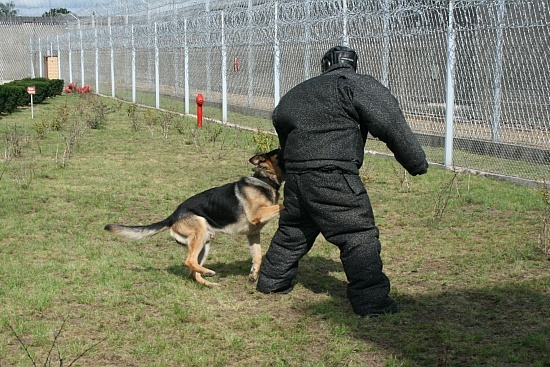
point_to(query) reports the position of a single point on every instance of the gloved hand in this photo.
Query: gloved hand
(420, 170)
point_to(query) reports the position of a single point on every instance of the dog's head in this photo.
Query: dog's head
(270, 165)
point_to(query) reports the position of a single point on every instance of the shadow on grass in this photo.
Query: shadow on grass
(223, 270)
(492, 325)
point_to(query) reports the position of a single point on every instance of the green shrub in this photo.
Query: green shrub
(3, 98)
(14, 94)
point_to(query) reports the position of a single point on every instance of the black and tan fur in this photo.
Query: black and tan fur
(241, 207)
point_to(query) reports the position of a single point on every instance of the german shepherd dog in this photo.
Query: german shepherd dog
(242, 207)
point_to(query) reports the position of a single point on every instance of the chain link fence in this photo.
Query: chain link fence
(485, 59)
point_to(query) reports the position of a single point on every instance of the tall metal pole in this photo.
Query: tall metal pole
(276, 58)
(149, 77)
(70, 60)
(384, 79)
(96, 55)
(32, 58)
(450, 88)
(224, 73)
(250, 68)
(81, 55)
(345, 40)
(176, 53)
(208, 52)
(307, 56)
(40, 61)
(112, 57)
(157, 72)
(498, 75)
(133, 66)
(186, 67)
(58, 58)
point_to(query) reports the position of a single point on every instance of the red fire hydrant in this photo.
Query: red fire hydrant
(200, 102)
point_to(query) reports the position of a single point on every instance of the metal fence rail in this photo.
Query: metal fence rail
(472, 76)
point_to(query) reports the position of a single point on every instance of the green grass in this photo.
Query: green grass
(461, 159)
(463, 252)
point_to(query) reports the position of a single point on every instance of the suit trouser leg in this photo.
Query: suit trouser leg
(340, 207)
(292, 240)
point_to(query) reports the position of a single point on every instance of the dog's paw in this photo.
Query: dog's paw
(197, 277)
(253, 276)
(209, 273)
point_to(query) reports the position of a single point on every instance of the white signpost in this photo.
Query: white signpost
(31, 90)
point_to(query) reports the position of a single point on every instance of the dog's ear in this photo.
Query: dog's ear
(257, 159)
(277, 152)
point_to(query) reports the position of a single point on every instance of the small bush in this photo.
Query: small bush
(14, 94)
(133, 114)
(41, 127)
(264, 141)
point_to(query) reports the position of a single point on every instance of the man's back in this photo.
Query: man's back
(316, 125)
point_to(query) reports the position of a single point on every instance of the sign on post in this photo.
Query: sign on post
(31, 90)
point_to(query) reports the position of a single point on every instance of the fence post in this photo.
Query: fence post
(157, 73)
(176, 52)
(133, 66)
(208, 52)
(186, 67)
(149, 77)
(450, 85)
(385, 45)
(307, 56)
(96, 42)
(81, 54)
(112, 57)
(70, 60)
(345, 40)
(497, 78)
(276, 58)
(250, 68)
(224, 72)
(40, 58)
(58, 58)
(32, 56)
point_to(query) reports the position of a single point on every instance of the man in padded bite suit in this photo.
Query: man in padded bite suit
(322, 125)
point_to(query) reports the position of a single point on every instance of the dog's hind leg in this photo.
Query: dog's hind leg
(197, 277)
(194, 230)
(256, 253)
(204, 252)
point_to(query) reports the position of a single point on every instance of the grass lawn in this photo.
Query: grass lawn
(468, 257)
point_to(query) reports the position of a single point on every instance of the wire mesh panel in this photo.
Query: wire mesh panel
(474, 73)
(17, 57)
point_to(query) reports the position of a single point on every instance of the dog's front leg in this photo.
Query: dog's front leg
(256, 253)
(266, 213)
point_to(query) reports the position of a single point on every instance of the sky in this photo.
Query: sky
(39, 7)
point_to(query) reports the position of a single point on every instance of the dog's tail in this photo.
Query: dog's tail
(138, 232)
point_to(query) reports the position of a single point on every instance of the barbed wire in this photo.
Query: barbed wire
(501, 86)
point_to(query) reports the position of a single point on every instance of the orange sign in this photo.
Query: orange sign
(31, 90)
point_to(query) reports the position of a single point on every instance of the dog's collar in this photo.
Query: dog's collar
(268, 181)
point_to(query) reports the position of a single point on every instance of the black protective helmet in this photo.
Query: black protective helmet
(339, 55)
